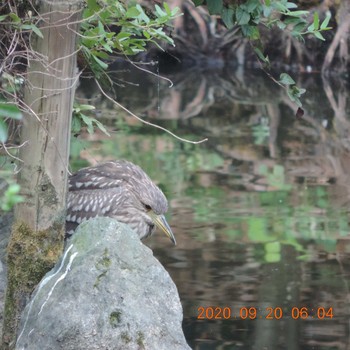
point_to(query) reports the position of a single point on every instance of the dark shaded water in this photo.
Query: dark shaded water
(260, 211)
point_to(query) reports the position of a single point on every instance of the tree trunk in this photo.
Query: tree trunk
(37, 236)
(340, 40)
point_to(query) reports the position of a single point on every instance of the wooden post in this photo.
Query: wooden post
(37, 236)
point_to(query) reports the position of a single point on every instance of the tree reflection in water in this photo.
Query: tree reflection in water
(260, 211)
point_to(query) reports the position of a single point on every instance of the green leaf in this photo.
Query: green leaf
(175, 11)
(76, 124)
(143, 15)
(326, 20)
(92, 5)
(123, 35)
(161, 20)
(37, 31)
(281, 7)
(318, 35)
(227, 17)
(100, 63)
(293, 94)
(254, 33)
(297, 13)
(290, 94)
(10, 110)
(281, 25)
(215, 6)
(3, 131)
(102, 54)
(291, 5)
(101, 29)
(86, 107)
(167, 9)
(198, 2)
(34, 28)
(251, 5)
(316, 21)
(101, 126)
(26, 26)
(132, 12)
(146, 34)
(251, 32)
(267, 11)
(107, 48)
(13, 189)
(242, 16)
(159, 11)
(11, 197)
(261, 55)
(3, 17)
(286, 79)
(88, 121)
(311, 27)
(14, 18)
(298, 28)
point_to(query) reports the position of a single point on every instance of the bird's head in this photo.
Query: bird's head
(118, 189)
(150, 203)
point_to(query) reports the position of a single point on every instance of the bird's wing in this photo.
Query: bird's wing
(100, 177)
(86, 204)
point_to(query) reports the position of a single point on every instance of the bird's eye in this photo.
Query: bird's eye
(147, 207)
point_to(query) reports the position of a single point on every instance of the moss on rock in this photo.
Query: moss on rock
(30, 255)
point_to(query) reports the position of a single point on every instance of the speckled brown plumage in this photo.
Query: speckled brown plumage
(117, 189)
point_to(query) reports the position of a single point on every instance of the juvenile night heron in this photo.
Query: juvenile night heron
(120, 190)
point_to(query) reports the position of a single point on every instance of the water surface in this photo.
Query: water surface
(260, 211)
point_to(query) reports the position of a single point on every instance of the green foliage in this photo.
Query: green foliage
(293, 91)
(251, 14)
(8, 110)
(110, 27)
(9, 191)
(22, 24)
(281, 13)
(316, 28)
(215, 7)
(80, 119)
(11, 197)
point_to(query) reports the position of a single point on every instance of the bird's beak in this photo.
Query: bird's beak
(160, 222)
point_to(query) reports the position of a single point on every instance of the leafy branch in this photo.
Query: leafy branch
(23, 25)
(248, 16)
(8, 109)
(112, 28)
(80, 119)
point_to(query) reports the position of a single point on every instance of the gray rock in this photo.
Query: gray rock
(107, 292)
(6, 220)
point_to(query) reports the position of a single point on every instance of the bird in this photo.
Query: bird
(118, 189)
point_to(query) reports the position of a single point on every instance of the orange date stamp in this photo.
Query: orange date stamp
(268, 313)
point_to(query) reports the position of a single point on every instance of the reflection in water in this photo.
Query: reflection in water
(260, 211)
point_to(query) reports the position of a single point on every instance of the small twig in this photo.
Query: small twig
(150, 72)
(265, 71)
(15, 171)
(144, 121)
(30, 112)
